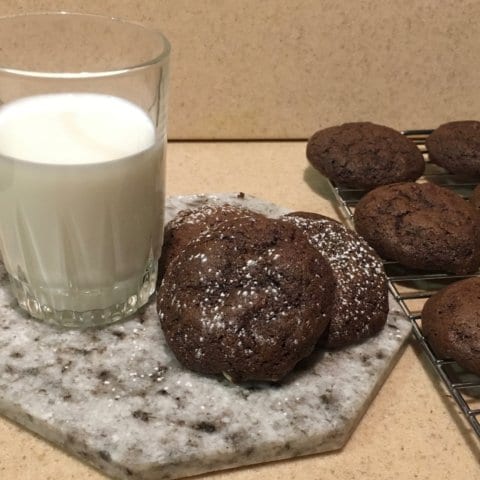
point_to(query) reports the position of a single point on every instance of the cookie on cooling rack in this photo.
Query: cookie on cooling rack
(455, 146)
(451, 323)
(248, 298)
(422, 226)
(364, 155)
(475, 198)
(188, 224)
(360, 303)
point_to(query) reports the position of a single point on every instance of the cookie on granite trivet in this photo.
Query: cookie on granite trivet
(455, 146)
(188, 224)
(422, 226)
(249, 298)
(360, 304)
(451, 323)
(475, 197)
(364, 155)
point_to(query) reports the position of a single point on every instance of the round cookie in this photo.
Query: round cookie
(249, 298)
(451, 323)
(188, 224)
(360, 304)
(455, 146)
(364, 155)
(422, 226)
(475, 198)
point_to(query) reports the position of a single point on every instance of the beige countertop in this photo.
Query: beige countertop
(411, 430)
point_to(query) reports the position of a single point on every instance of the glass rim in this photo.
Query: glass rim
(163, 55)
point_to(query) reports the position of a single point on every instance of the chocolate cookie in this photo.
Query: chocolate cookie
(188, 224)
(455, 146)
(475, 198)
(360, 303)
(451, 323)
(421, 225)
(249, 298)
(364, 155)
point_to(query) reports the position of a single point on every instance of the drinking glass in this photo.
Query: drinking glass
(82, 164)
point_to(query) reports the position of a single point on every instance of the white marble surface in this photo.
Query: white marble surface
(117, 398)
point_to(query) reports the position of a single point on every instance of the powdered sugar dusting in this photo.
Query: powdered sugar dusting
(361, 306)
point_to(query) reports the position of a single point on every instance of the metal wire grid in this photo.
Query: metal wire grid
(412, 288)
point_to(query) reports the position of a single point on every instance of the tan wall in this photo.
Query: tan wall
(282, 69)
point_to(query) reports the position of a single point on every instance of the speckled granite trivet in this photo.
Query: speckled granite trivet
(117, 398)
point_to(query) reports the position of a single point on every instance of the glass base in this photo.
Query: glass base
(43, 310)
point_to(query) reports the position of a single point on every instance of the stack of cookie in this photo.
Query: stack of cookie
(248, 296)
(420, 225)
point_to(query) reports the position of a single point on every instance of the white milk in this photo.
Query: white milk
(81, 197)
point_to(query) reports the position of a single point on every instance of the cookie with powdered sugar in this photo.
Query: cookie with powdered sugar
(188, 224)
(249, 298)
(360, 305)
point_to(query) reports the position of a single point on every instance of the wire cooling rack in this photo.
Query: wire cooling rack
(412, 288)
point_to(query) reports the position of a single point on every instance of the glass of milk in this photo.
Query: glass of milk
(82, 164)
